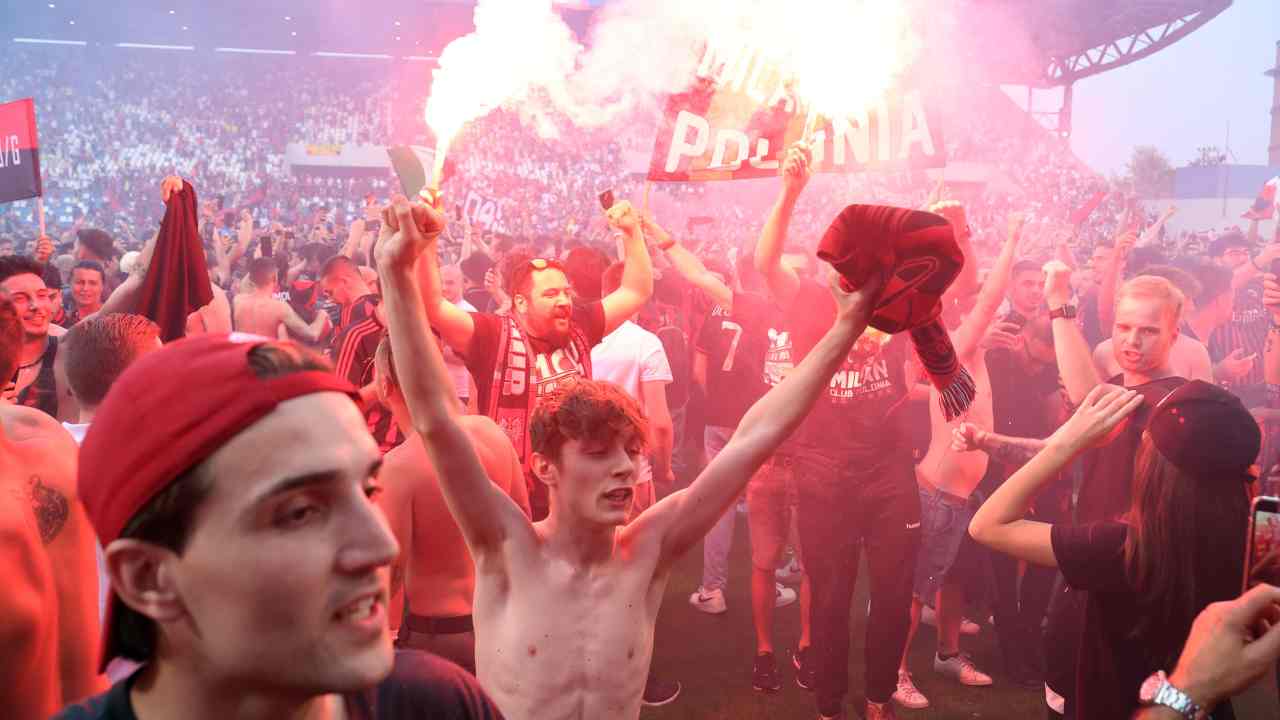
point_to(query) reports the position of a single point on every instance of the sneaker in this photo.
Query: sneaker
(659, 692)
(806, 673)
(929, 617)
(791, 573)
(708, 601)
(879, 711)
(961, 668)
(785, 596)
(764, 674)
(908, 695)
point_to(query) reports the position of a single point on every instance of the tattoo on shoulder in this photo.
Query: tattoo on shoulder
(50, 509)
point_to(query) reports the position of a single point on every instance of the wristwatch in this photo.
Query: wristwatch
(1066, 311)
(1156, 690)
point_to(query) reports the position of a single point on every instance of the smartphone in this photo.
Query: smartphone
(1016, 318)
(265, 242)
(1262, 551)
(1275, 267)
(606, 199)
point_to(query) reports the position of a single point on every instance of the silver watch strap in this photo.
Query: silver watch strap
(1174, 699)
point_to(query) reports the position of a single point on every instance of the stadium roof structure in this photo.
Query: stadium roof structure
(1062, 41)
(1039, 43)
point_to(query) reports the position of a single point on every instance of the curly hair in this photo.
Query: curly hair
(583, 409)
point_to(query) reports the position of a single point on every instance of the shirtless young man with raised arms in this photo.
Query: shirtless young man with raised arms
(565, 608)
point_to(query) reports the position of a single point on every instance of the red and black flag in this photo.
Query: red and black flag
(19, 151)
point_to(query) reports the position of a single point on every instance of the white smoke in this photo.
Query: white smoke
(523, 56)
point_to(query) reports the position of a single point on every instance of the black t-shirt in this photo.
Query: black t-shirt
(735, 344)
(420, 685)
(1112, 662)
(861, 419)
(1020, 395)
(354, 344)
(1107, 486)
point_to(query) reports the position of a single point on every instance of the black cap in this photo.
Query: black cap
(1205, 431)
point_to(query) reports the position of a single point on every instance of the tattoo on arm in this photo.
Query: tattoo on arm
(1014, 452)
(50, 509)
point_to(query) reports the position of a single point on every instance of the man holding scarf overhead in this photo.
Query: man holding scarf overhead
(856, 481)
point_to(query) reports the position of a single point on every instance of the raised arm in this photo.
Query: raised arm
(1152, 232)
(782, 280)
(966, 282)
(452, 322)
(683, 518)
(1109, 283)
(974, 327)
(486, 516)
(1075, 360)
(637, 271)
(354, 235)
(1012, 451)
(999, 523)
(1271, 350)
(688, 264)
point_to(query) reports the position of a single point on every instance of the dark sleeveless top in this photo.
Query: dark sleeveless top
(42, 394)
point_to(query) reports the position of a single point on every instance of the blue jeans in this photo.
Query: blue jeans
(715, 548)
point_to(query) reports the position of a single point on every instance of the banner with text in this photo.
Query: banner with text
(19, 151)
(741, 113)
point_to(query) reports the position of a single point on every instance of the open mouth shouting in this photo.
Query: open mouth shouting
(619, 497)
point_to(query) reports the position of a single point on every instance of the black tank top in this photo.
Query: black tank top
(42, 394)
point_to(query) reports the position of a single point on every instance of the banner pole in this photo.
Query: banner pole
(40, 214)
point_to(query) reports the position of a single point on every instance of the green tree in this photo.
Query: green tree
(1150, 172)
(1209, 156)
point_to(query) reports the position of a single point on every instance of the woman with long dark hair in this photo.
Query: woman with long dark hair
(1179, 547)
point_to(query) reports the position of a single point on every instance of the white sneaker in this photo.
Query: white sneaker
(791, 573)
(785, 596)
(708, 601)
(908, 695)
(961, 668)
(929, 617)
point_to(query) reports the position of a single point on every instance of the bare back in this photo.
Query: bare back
(28, 632)
(951, 471)
(555, 640)
(42, 466)
(439, 575)
(259, 315)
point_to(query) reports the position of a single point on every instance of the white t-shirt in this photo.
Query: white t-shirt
(627, 357)
(77, 431)
(458, 369)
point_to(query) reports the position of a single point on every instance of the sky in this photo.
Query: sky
(1184, 96)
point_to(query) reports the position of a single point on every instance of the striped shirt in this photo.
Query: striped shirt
(1246, 331)
(352, 348)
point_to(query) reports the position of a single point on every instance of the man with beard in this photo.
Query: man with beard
(545, 342)
(566, 607)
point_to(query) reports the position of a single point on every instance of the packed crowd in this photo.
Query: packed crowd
(467, 436)
(307, 451)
